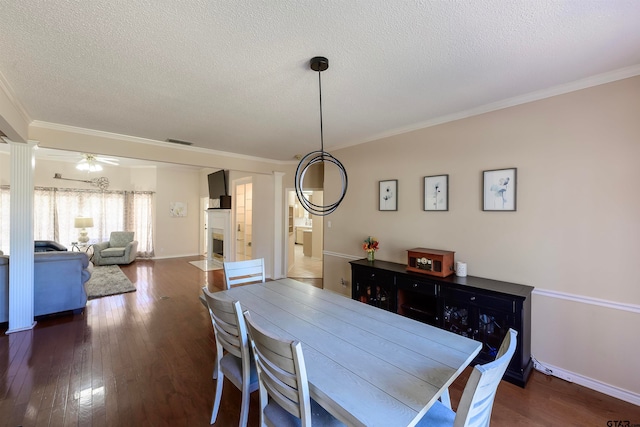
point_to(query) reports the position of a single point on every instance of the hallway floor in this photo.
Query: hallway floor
(305, 267)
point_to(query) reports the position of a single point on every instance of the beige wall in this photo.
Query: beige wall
(177, 236)
(576, 230)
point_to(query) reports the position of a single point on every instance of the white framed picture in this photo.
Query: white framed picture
(499, 190)
(436, 193)
(388, 194)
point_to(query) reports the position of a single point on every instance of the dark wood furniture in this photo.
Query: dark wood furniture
(482, 309)
(433, 262)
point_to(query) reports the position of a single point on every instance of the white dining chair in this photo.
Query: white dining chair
(476, 403)
(284, 390)
(233, 357)
(239, 272)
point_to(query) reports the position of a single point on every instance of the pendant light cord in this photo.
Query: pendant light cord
(321, 127)
(319, 64)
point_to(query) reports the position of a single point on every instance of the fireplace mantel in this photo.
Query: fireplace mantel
(219, 223)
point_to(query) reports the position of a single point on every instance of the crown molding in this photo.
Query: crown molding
(8, 91)
(145, 141)
(599, 79)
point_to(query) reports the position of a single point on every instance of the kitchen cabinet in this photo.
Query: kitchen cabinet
(307, 242)
(300, 234)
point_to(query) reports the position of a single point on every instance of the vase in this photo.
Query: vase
(371, 256)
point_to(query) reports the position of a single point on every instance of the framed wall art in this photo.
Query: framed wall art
(499, 190)
(177, 209)
(388, 195)
(436, 193)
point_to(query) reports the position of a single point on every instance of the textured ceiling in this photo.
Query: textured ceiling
(233, 75)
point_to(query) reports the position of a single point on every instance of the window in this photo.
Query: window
(56, 208)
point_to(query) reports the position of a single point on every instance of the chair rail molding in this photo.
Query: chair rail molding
(633, 308)
(341, 255)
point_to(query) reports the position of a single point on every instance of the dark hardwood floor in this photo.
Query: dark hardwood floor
(146, 359)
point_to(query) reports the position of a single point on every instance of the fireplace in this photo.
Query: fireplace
(219, 236)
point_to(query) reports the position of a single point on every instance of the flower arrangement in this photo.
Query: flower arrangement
(370, 244)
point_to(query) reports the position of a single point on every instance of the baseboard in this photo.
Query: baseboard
(174, 256)
(25, 328)
(609, 390)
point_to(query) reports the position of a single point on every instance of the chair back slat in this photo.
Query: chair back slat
(276, 374)
(284, 394)
(228, 341)
(228, 324)
(240, 272)
(474, 409)
(281, 370)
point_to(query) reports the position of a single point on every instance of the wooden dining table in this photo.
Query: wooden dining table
(366, 366)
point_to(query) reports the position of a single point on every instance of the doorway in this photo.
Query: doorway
(244, 219)
(306, 243)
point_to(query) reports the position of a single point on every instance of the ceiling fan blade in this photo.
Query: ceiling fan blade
(108, 160)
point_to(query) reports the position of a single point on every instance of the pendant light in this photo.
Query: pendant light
(320, 158)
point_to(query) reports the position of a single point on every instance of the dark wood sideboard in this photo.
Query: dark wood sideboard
(482, 309)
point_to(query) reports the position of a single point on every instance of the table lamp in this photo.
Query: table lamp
(83, 223)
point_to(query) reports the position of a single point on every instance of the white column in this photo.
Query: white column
(279, 267)
(21, 237)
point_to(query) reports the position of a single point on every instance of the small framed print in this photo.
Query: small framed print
(436, 193)
(499, 190)
(388, 195)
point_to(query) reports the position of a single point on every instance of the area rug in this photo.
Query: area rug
(207, 264)
(107, 280)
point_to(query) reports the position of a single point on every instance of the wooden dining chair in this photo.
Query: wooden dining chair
(284, 390)
(476, 403)
(233, 357)
(239, 272)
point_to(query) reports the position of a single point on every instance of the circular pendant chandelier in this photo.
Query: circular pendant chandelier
(320, 157)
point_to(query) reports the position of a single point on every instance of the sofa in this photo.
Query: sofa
(47, 246)
(59, 279)
(120, 249)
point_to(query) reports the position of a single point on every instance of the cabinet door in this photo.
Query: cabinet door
(480, 317)
(492, 327)
(418, 299)
(374, 287)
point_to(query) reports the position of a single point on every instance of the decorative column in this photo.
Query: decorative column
(279, 261)
(21, 237)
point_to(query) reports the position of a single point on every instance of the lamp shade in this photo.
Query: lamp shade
(83, 222)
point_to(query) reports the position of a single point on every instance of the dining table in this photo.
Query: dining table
(366, 366)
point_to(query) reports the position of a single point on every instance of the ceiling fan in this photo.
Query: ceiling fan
(91, 162)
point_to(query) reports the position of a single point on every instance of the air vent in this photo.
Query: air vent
(177, 141)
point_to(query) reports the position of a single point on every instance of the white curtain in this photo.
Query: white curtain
(4, 219)
(138, 216)
(56, 208)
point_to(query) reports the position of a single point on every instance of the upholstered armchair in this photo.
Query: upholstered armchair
(120, 249)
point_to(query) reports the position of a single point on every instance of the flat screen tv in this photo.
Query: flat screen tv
(218, 184)
(219, 188)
